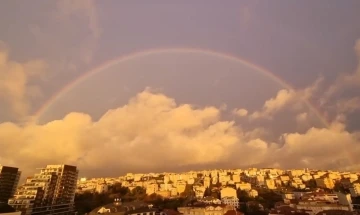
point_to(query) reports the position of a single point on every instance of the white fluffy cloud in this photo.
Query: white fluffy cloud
(240, 112)
(153, 133)
(273, 105)
(331, 148)
(286, 98)
(15, 84)
(283, 99)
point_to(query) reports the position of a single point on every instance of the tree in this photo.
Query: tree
(216, 194)
(243, 196)
(268, 198)
(311, 184)
(188, 192)
(207, 192)
(138, 193)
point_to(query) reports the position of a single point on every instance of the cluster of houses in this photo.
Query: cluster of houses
(170, 185)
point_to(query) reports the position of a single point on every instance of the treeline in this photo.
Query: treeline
(88, 201)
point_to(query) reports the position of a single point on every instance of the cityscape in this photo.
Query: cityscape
(179, 107)
(58, 189)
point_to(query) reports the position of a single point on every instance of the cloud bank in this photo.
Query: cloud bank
(16, 88)
(153, 133)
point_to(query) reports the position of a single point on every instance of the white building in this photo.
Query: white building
(232, 201)
(229, 197)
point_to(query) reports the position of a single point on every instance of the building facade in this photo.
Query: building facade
(355, 190)
(52, 191)
(9, 179)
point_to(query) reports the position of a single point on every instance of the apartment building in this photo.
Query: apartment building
(314, 207)
(52, 191)
(355, 190)
(9, 179)
(206, 210)
(325, 182)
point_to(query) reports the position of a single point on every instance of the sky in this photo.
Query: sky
(133, 86)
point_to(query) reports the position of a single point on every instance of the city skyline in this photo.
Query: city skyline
(115, 87)
(56, 188)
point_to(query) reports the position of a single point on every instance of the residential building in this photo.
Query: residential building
(236, 178)
(48, 192)
(270, 184)
(314, 207)
(355, 190)
(180, 186)
(207, 181)
(232, 201)
(164, 193)
(345, 199)
(207, 210)
(229, 197)
(152, 188)
(228, 192)
(210, 200)
(9, 179)
(325, 182)
(243, 186)
(101, 187)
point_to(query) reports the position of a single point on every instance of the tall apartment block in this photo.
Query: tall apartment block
(9, 179)
(52, 191)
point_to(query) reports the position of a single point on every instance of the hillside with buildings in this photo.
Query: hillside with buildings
(57, 189)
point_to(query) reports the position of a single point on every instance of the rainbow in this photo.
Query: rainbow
(131, 56)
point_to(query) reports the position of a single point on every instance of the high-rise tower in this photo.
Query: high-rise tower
(9, 179)
(52, 191)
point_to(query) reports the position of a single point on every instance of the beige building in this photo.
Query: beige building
(207, 181)
(355, 190)
(209, 210)
(152, 188)
(314, 207)
(164, 193)
(243, 186)
(53, 189)
(236, 178)
(260, 180)
(228, 192)
(325, 182)
(270, 184)
(180, 186)
(101, 187)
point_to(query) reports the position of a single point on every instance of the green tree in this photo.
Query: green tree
(207, 192)
(216, 194)
(188, 192)
(138, 193)
(311, 184)
(243, 196)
